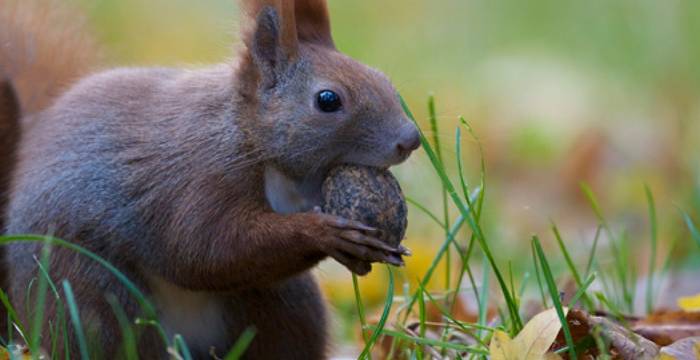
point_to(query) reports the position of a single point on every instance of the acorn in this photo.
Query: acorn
(369, 195)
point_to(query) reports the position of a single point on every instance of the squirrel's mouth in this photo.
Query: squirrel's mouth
(380, 162)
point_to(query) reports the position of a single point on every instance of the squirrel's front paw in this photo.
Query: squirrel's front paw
(354, 244)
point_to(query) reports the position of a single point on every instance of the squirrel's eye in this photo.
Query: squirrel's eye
(328, 101)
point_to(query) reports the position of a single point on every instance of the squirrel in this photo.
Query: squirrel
(202, 186)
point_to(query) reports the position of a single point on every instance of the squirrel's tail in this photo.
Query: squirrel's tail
(44, 47)
(9, 137)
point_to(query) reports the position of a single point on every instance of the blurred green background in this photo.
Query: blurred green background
(559, 92)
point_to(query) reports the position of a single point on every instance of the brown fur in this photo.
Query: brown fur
(44, 47)
(200, 186)
(9, 137)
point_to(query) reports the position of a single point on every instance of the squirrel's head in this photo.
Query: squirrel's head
(313, 107)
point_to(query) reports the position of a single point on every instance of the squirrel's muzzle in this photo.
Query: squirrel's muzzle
(409, 140)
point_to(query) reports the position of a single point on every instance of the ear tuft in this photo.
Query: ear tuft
(265, 45)
(260, 13)
(313, 22)
(271, 39)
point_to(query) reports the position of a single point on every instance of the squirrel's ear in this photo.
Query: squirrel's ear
(313, 22)
(271, 38)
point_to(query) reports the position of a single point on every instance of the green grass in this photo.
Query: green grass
(619, 276)
(653, 224)
(554, 294)
(75, 319)
(465, 244)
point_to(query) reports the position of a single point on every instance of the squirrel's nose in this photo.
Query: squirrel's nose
(409, 140)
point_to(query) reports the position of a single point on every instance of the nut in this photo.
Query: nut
(369, 195)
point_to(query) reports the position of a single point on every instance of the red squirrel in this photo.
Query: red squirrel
(202, 186)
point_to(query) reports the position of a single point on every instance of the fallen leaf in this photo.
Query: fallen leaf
(533, 341)
(685, 349)
(577, 320)
(667, 327)
(502, 347)
(539, 334)
(668, 316)
(626, 343)
(666, 334)
(689, 303)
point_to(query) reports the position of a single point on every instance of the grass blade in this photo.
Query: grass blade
(129, 349)
(360, 308)
(460, 163)
(12, 316)
(554, 294)
(147, 307)
(40, 303)
(652, 256)
(467, 215)
(60, 324)
(382, 320)
(421, 311)
(591, 256)
(436, 261)
(621, 264)
(425, 210)
(438, 343)
(582, 290)
(536, 263)
(241, 344)
(571, 266)
(694, 233)
(432, 116)
(75, 319)
(484, 300)
(181, 347)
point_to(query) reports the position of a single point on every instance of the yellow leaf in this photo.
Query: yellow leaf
(4, 355)
(689, 303)
(501, 347)
(532, 342)
(538, 335)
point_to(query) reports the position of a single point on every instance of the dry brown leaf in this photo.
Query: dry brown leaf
(580, 328)
(667, 327)
(627, 344)
(666, 334)
(668, 316)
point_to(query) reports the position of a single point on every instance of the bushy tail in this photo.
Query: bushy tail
(44, 47)
(9, 137)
